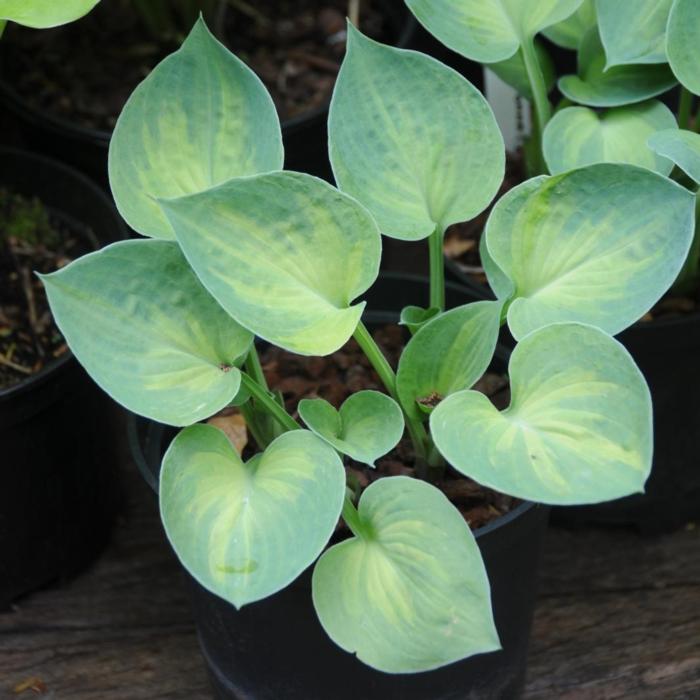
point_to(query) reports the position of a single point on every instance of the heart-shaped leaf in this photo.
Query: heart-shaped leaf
(284, 253)
(412, 140)
(43, 14)
(488, 31)
(598, 245)
(578, 429)
(148, 333)
(409, 592)
(200, 118)
(569, 32)
(513, 71)
(367, 426)
(246, 530)
(683, 43)
(681, 147)
(633, 32)
(578, 136)
(597, 87)
(413, 317)
(448, 354)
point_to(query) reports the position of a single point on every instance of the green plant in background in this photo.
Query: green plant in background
(239, 249)
(628, 54)
(42, 14)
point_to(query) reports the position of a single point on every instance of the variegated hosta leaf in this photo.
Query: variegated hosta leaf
(681, 147)
(284, 253)
(513, 71)
(414, 317)
(633, 32)
(569, 32)
(598, 245)
(246, 530)
(200, 118)
(409, 592)
(412, 140)
(489, 30)
(42, 14)
(578, 429)
(596, 87)
(147, 332)
(683, 43)
(367, 426)
(578, 136)
(448, 354)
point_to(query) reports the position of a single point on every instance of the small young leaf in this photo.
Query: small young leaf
(578, 136)
(368, 425)
(448, 354)
(412, 140)
(411, 594)
(246, 530)
(569, 32)
(683, 43)
(596, 87)
(633, 32)
(681, 147)
(147, 332)
(488, 31)
(513, 71)
(578, 429)
(284, 253)
(43, 14)
(200, 118)
(413, 317)
(598, 245)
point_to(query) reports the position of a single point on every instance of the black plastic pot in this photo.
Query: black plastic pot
(276, 648)
(305, 136)
(60, 490)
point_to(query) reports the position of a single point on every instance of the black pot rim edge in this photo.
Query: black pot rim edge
(59, 363)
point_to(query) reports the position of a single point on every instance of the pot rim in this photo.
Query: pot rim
(38, 160)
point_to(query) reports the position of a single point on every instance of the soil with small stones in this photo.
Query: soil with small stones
(462, 247)
(32, 239)
(347, 371)
(84, 72)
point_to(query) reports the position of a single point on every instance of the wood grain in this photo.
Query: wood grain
(618, 617)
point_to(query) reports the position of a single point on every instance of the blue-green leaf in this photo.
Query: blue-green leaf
(595, 86)
(367, 426)
(409, 593)
(246, 530)
(200, 118)
(43, 14)
(414, 317)
(148, 333)
(412, 140)
(578, 136)
(683, 43)
(513, 72)
(598, 245)
(569, 32)
(284, 253)
(681, 147)
(578, 429)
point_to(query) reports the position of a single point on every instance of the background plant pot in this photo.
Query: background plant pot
(276, 648)
(667, 352)
(305, 136)
(60, 489)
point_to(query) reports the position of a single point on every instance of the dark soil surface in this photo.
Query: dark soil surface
(32, 239)
(84, 72)
(347, 371)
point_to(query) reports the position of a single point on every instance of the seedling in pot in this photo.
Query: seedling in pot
(240, 249)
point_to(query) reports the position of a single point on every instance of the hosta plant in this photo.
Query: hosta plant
(629, 53)
(238, 249)
(42, 14)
